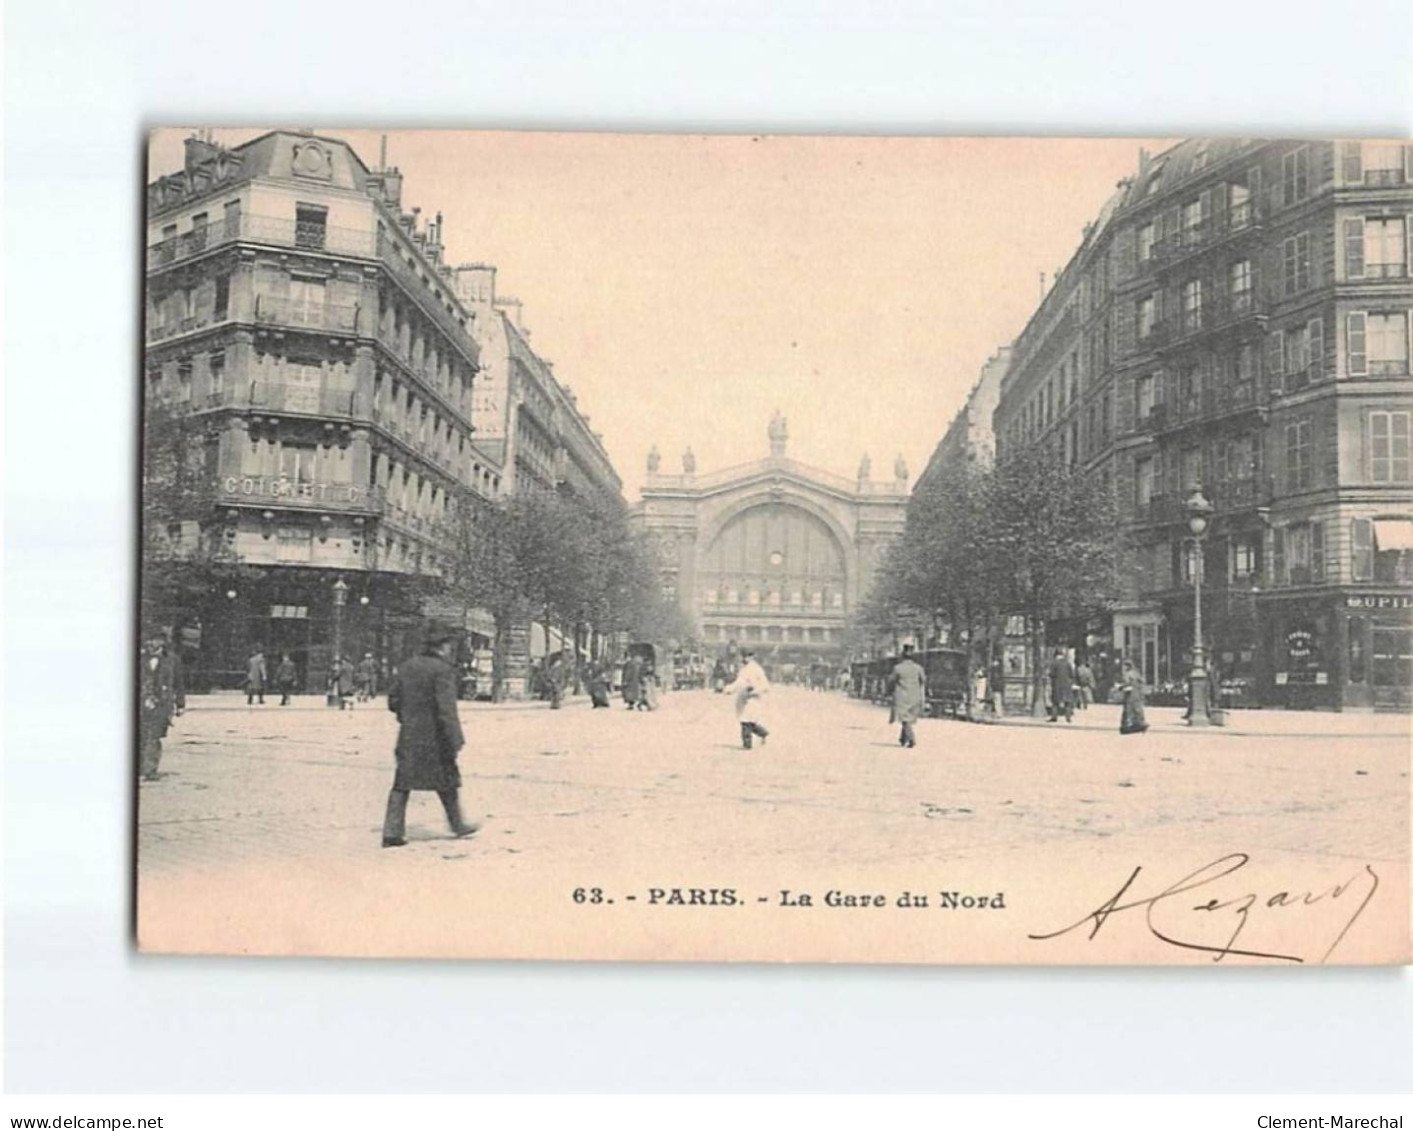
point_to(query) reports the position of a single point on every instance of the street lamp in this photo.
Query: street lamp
(340, 598)
(1199, 512)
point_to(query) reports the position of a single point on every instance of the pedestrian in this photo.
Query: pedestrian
(256, 677)
(160, 698)
(749, 687)
(348, 683)
(632, 682)
(1061, 687)
(598, 685)
(908, 683)
(285, 678)
(1133, 719)
(554, 676)
(367, 677)
(1084, 684)
(423, 697)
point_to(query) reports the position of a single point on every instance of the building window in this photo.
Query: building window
(1362, 541)
(1387, 343)
(184, 381)
(223, 298)
(1299, 467)
(1242, 560)
(297, 462)
(232, 219)
(1144, 396)
(1304, 350)
(1299, 552)
(1147, 234)
(1383, 163)
(1376, 247)
(1194, 220)
(1192, 305)
(1190, 390)
(311, 226)
(1191, 469)
(1295, 257)
(1201, 157)
(1239, 211)
(1155, 180)
(216, 369)
(1147, 316)
(1239, 282)
(1389, 448)
(1143, 481)
(1295, 175)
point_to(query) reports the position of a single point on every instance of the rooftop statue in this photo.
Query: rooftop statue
(779, 433)
(900, 468)
(654, 459)
(689, 461)
(865, 468)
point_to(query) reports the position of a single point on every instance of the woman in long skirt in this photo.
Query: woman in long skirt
(1133, 720)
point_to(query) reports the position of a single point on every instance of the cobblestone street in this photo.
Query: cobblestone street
(262, 835)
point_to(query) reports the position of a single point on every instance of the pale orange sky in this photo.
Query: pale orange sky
(687, 286)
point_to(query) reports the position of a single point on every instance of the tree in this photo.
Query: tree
(1053, 542)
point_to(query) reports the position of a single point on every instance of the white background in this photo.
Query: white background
(82, 82)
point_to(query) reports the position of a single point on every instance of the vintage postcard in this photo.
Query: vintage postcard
(812, 549)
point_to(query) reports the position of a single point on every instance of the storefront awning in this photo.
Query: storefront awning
(1394, 533)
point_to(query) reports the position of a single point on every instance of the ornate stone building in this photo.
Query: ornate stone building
(772, 554)
(1239, 318)
(305, 332)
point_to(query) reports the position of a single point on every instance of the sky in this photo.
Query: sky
(687, 286)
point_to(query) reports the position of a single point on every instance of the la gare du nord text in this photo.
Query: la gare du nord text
(834, 897)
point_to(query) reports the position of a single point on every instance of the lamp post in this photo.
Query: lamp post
(1199, 512)
(340, 598)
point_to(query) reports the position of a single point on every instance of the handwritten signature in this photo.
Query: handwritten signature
(1237, 909)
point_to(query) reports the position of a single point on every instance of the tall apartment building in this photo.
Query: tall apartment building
(307, 331)
(1238, 318)
(531, 423)
(971, 437)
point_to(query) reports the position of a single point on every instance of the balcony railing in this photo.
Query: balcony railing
(1384, 178)
(281, 396)
(161, 331)
(278, 492)
(1241, 494)
(314, 316)
(419, 285)
(1212, 231)
(1222, 313)
(261, 229)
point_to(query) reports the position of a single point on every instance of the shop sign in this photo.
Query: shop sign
(263, 487)
(1383, 601)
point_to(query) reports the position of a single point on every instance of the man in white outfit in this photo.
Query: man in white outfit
(749, 687)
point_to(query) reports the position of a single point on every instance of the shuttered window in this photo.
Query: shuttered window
(1356, 344)
(1362, 539)
(1389, 447)
(1354, 248)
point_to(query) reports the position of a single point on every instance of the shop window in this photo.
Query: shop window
(1392, 657)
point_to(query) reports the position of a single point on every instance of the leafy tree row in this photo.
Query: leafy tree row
(1032, 535)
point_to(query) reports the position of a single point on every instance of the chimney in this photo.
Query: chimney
(512, 309)
(476, 285)
(199, 150)
(383, 153)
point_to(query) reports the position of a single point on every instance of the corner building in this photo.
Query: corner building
(309, 330)
(1238, 318)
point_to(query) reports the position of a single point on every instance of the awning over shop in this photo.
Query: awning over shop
(1394, 533)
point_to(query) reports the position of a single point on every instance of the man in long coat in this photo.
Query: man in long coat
(1061, 687)
(160, 697)
(909, 682)
(632, 681)
(423, 697)
(256, 676)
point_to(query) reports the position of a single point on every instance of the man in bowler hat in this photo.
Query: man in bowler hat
(423, 697)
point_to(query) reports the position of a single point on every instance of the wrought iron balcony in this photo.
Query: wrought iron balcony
(309, 315)
(264, 230)
(281, 396)
(1212, 232)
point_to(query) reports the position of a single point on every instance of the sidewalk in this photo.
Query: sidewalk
(235, 701)
(1240, 723)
